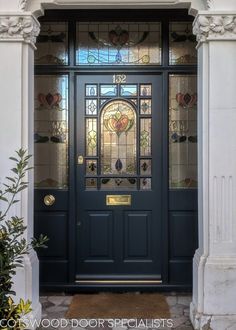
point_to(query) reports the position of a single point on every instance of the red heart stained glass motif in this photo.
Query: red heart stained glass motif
(118, 123)
(49, 99)
(186, 100)
(118, 38)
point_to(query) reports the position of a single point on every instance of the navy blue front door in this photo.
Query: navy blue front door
(119, 177)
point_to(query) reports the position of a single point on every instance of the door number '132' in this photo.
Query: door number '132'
(119, 78)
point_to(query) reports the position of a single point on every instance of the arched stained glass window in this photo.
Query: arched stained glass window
(118, 138)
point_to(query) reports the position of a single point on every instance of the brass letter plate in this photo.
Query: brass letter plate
(118, 200)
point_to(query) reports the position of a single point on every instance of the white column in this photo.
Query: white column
(214, 266)
(18, 31)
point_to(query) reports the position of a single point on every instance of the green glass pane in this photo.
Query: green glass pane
(91, 137)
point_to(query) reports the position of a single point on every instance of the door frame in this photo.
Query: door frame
(164, 16)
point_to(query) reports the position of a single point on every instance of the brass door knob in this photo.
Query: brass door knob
(49, 200)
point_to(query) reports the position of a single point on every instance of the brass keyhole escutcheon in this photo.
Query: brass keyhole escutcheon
(49, 200)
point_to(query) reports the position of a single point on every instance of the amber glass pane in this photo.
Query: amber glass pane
(52, 44)
(118, 43)
(183, 131)
(118, 138)
(51, 131)
(182, 44)
(91, 137)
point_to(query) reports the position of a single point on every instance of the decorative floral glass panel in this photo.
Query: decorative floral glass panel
(51, 131)
(182, 44)
(183, 131)
(118, 138)
(118, 43)
(52, 44)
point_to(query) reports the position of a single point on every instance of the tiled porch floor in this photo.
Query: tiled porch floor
(55, 307)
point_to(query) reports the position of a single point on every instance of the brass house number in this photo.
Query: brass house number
(119, 78)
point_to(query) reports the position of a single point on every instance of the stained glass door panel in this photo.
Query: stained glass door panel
(119, 137)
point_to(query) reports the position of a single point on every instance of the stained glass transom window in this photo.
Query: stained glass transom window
(183, 131)
(118, 43)
(52, 44)
(182, 44)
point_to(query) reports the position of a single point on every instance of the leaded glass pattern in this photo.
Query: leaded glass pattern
(51, 131)
(183, 131)
(118, 138)
(52, 44)
(118, 43)
(118, 152)
(182, 44)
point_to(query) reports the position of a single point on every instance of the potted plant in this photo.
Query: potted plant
(13, 245)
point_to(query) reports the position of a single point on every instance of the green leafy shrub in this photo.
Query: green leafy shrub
(13, 245)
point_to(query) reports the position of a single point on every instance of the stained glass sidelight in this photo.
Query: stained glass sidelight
(183, 131)
(52, 44)
(91, 137)
(118, 138)
(118, 43)
(51, 131)
(145, 136)
(182, 44)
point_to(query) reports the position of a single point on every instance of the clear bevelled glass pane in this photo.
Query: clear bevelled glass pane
(118, 43)
(108, 90)
(145, 107)
(128, 90)
(118, 138)
(145, 166)
(145, 184)
(91, 107)
(145, 136)
(52, 44)
(91, 183)
(91, 90)
(182, 49)
(145, 90)
(51, 131)
(91, 137)
(118, 183)
(91, 167)
(183, 131)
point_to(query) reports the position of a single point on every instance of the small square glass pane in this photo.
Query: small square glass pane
(91, 183)
(128, 90)
(91, 167)
(145, 90)
(145, 167)
(91, 90)
(91, 107)
(145, 184)
(108, 90)
(145, 107)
